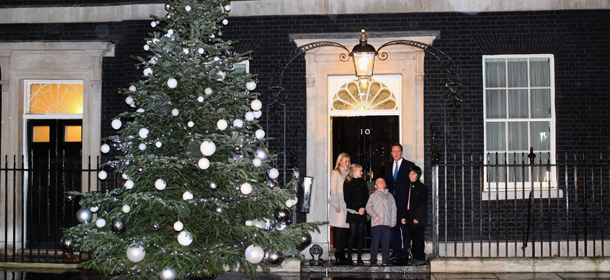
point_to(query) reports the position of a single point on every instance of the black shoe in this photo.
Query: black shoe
(349, 262)
(415, 262)
(359, 263)
(399, 261)
(374, 263)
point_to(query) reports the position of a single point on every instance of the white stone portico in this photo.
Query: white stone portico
(322, 62)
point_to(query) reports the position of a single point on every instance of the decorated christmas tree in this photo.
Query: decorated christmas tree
(199, 195)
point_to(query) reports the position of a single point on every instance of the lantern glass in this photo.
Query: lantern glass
(364, 62)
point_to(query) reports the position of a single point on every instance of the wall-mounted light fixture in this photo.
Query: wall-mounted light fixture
(363, 55)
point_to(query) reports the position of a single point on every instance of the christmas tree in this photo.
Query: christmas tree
(199, 195)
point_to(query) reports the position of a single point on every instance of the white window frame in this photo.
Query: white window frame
(516, 190)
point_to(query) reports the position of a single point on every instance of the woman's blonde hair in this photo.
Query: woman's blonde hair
(352, 168)
(339, 160)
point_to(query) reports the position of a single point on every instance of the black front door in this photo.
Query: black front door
(366, 139)
(54, 158)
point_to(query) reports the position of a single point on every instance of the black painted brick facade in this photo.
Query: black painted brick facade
(578, 39)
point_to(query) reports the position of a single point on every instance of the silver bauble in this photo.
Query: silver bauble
(67, 243)
(305, 240)
(117, 225)
(168, 273)
(262, 153)
(84, 215)
(155, 226)
(273, 183)
(282, 215)
(274, 258)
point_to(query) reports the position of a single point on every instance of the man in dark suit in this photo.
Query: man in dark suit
(396, 175)
(415, 215)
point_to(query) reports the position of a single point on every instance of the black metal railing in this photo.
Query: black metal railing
(521, 205)
(34, 207)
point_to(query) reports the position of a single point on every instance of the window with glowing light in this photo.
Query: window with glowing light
(364, 95)
(55, 97)
(519, 113)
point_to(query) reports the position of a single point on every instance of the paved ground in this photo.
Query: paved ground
(78, 274)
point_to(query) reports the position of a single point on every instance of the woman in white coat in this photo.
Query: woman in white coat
(338, 212)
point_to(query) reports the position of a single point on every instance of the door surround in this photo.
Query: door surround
(322, 62)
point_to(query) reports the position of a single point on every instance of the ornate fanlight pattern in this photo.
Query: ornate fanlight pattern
(56, 98)
(370, 95)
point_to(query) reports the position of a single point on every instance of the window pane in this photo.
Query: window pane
(495, 104)
(495, 72)
(540, 72)
(56, 99)
(73, 133)
(517, 136)
(541, 103)
(541, 170)
(496, 172)
(517, 103)
(540, 136)
(496, 136)
(515, 173)
(41, 134)
(517, 72)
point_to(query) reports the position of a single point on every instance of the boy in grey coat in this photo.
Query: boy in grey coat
(382, 209)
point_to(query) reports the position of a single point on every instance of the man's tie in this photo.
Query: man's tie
(395, 170)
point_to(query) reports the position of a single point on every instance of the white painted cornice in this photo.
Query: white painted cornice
(294, 7)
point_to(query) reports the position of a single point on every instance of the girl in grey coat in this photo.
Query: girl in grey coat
(382, 209)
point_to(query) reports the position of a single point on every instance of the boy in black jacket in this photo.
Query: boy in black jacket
(415, 214)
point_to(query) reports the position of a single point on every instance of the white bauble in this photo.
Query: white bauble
(142, 147)
(289, 203)
(222, 124)
(273, 173)
(116, 124)
(126, 208)
(158, 144)
(143, 133)
(146, 47)
(125, 176)
(132, 88)
(260, 134)
(140, 110)
(254, 254)
(94, 209)
(222, 76)
(185, 51)
(187, 195)
(128, 184)
(216, 58)
(190, 124)
(178, 226)
(200, 50)
(160, 184)
(170, 32)
(203, 163)
(225, 21)
(148, 71)
(100, 223)
(208, 91)
(172, 83)
(249, 116)
(256, 105)
(257, 162)
(246, 188)
(168, 273)
(185, 238)
(249, 223)
(187, 8)
(281, 227)
(153, 24)
(129, 100)
(227, 8)
(135, 253)
(213, 186)
(251, 86)
(105, 148)
(260, 224)
(200, 98)
(102, 175)
(258, 114)
(154, 59)
(238, 123)
(175, 112)
(207, 148)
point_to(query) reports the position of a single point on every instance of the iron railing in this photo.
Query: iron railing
(34, 207)
(521, 205)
